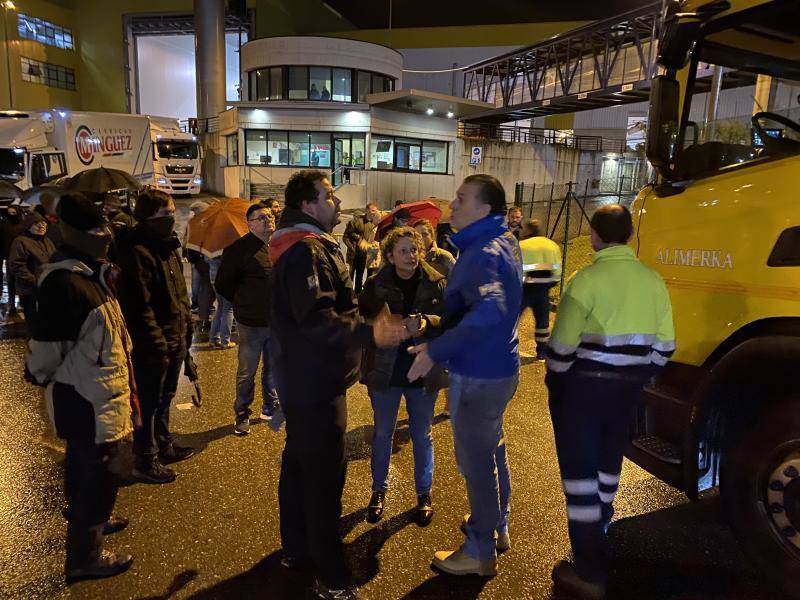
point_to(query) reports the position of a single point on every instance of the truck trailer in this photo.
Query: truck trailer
(43, 146)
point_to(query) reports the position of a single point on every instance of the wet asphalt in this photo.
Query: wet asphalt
(214, 533)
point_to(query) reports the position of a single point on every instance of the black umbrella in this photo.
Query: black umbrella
(102, 180)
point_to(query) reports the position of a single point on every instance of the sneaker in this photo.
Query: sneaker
(215, 343)
(567, 579)
(107, 564)
(153, 472)
(267, 413)
(226, 345)
(458, 563)
(174, 453)
(375, 507)
(502, 542)
(114, 524)
(323, 591)
(424, 510)
(241, 426)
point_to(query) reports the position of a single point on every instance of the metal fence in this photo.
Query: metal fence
(564, 210)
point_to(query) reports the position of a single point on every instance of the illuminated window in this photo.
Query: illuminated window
(56, 76)
(31, 28)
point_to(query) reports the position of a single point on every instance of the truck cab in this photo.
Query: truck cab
(176, 158)
(722, 227)
(26, 157)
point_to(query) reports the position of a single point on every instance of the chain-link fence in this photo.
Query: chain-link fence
(564, 210)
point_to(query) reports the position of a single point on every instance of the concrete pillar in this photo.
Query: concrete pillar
(713, 104)
(761, 99)
(209, 47)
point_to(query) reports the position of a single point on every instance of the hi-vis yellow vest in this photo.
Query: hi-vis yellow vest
(616, 311)
(541, 260)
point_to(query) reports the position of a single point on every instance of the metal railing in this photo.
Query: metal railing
(605, 63)
(525, 135)
(199, 126)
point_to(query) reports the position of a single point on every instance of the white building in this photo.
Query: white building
(338, 105)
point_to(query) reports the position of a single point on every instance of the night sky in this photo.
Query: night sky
(374, 14)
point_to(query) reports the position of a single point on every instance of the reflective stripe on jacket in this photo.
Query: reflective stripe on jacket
(616, 311)
(541, 260)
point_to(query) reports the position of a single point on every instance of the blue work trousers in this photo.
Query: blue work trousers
(253, 348)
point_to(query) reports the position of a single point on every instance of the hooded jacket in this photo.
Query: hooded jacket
(80, 341)
(244, 278)
(379, 363)
(315, 320)
(28, 253)
(482, 303)
(153, 296)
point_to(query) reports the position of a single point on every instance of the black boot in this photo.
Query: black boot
(375, 508)
(114, 524)
(567, 579)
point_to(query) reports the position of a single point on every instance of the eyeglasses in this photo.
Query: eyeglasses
(262, 218)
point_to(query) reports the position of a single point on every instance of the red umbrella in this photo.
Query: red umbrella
(424, 209)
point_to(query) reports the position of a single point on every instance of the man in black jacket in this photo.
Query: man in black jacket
(316, 351)
(29, 251)
(152, 292)
(245, 279)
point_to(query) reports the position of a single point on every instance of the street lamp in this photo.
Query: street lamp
(7, 6)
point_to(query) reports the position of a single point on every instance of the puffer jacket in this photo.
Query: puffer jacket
(153, 296)
(28, 253)
(80, 340)
(378, 365)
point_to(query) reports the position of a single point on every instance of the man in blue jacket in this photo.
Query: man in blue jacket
(480, 348)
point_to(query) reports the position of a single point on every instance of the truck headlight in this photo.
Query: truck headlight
(161, 180)
(198, 181)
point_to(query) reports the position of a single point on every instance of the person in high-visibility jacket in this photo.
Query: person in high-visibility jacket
(613, 330)
(541, 267)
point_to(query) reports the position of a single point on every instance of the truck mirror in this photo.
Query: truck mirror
(662, 133)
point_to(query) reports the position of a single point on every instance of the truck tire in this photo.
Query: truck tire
(760, 489)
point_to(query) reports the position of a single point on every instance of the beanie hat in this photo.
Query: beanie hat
(31, 219)
(77, 211)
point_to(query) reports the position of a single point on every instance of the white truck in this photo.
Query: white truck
(41, 146)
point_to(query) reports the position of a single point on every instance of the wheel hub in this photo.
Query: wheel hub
(783, 499)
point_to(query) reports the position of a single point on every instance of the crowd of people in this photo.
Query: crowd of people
(400, 314)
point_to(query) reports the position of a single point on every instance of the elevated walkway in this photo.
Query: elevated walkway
(607, 63)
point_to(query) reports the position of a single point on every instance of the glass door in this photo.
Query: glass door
(341, 160)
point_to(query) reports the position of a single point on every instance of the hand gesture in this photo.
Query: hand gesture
(423, 363)
(388, 329)
(415, 325)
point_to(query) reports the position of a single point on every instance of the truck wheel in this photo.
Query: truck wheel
(760, 488)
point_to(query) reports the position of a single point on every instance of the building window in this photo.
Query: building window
(381, 84)
(358, 150)
(276, 83)
(232, 146)
(298, 83)
(31, 28)
(408, 154)
(262, 85)
(298, 149)
(55, 76)
(403, 154)
(278, 148)
(364, 79)
(342, 85)
(320, 88)
(381, 153)
(255, 147)
(320, 150)
(434, 157)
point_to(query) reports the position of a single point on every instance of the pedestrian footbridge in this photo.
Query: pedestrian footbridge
(603, 64)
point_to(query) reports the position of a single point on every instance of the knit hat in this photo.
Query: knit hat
(31, 219)
(77, 211)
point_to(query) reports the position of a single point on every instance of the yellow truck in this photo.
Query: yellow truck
(722, 226)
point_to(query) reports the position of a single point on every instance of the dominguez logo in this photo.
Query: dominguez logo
(86, 144)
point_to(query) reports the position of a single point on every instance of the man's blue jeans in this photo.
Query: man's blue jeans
(420, 407)
(476, 413)
(253, 347)
(222, 323)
